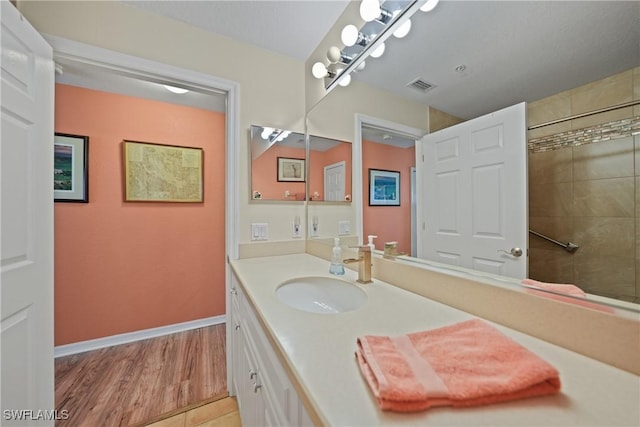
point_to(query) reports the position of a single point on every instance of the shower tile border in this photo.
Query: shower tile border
(600, 133)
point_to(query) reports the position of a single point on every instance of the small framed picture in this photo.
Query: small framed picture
(71, 168)
(384, 188)
(291, 170)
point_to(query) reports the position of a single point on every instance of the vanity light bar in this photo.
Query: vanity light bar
(376, 41)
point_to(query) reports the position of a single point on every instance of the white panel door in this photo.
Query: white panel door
(475, 202)
(27, 222)
(334, 184)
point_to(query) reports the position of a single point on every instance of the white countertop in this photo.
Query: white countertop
(319, 350)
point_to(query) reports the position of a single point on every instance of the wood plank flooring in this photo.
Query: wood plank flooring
(144, 381)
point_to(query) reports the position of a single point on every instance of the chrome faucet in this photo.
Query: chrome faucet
(364, 258)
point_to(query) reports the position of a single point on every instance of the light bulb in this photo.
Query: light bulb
(266, 132)
(349, 35)
(334, 54)
(378, 52)
(369, 10)
(360, 66)
(319, 70)
(345, 80)
(403, 30)
(429, 5)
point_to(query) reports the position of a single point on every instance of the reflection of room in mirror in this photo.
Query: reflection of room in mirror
(277, 164)
(329, 170)
(464, 94)
(385, 150)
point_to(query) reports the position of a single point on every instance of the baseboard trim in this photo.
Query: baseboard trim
(95, 344)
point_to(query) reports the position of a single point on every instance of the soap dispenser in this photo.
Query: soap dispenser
(336, 258)
(371, 245)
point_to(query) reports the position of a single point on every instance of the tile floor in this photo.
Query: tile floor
(221, 413)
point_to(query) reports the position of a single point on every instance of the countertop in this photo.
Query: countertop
(318, 350)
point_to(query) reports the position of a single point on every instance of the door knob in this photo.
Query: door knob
(515, 252)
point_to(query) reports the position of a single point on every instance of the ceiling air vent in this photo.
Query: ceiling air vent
(421, 85)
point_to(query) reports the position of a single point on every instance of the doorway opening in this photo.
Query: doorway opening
(387, 146)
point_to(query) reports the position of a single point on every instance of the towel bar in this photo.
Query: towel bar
(569, 247)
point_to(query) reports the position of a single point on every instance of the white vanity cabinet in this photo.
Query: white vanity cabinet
(265, 394)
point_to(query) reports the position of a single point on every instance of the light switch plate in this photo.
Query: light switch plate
(259, 231)
(344, 227)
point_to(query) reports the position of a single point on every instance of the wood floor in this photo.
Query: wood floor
(138, 383)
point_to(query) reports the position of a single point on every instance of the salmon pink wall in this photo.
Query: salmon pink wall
(127, 266)
(389, 223)
(264, 174)
(320, 159)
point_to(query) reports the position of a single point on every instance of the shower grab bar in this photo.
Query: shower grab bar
(569, 247)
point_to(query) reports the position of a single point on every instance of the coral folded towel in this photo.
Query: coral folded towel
(572, 290)
(465, 364)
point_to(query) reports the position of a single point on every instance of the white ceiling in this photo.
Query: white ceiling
(291, 27)
(513, 50)
(98, 78)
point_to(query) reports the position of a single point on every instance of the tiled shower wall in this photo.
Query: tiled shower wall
(584, 187)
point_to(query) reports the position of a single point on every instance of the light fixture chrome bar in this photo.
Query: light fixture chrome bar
(385, 16)
(376, 41)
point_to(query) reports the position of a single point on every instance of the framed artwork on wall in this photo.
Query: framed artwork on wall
(162, 173)
(70, 168)
(384, 188)
(290, 170)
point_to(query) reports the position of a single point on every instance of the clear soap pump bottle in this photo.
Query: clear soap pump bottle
(336, 258)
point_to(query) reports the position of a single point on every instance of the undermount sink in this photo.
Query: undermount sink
(321, 295)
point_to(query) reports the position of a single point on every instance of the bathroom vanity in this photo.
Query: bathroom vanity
(260, 381)
(294, 367)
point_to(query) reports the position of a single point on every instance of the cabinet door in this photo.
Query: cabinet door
(233, 354)
(250, 398)
(265, 394)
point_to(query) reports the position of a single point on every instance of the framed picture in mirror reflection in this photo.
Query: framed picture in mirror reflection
(290, 169)
(384, 188)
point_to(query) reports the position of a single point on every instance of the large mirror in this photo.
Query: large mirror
(473, 58)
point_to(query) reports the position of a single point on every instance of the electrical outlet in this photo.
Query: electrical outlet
(259, 231)
(344, 227)
(315, 226)
(296, 230)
